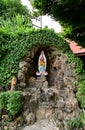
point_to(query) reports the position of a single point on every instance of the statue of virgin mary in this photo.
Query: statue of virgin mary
(42, 63)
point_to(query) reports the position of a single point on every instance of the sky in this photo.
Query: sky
(46, 20)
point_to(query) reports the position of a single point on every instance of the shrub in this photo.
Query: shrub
(11, 102)
(14, 105)
(77, 122)
(78, 63)
(3, 100)
(81, 94)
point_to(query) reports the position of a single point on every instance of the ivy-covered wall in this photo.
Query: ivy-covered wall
(14, 46)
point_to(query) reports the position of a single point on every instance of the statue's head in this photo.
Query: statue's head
(42, 52)
(14, 80)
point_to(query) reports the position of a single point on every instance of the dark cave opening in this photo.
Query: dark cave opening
(47, 52)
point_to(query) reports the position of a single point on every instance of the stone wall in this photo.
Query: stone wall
(52, 96)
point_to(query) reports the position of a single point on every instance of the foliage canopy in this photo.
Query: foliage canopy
(14, 16)
(10, 8)
(70, 13)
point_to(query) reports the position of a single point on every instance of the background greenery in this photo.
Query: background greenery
(69, 13)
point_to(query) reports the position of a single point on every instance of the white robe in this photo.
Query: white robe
(42, 68)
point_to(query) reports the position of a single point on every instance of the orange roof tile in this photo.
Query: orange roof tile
(78, 50)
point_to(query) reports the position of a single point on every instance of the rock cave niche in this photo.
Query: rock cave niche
(33, 68)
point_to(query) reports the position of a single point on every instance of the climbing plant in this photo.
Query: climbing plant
(14, 46)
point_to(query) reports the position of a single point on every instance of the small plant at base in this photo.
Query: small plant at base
(74, 123)
(82, 117)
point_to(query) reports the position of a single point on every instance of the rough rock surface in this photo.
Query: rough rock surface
(30, 118)
(42, 125)
(52, 98)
